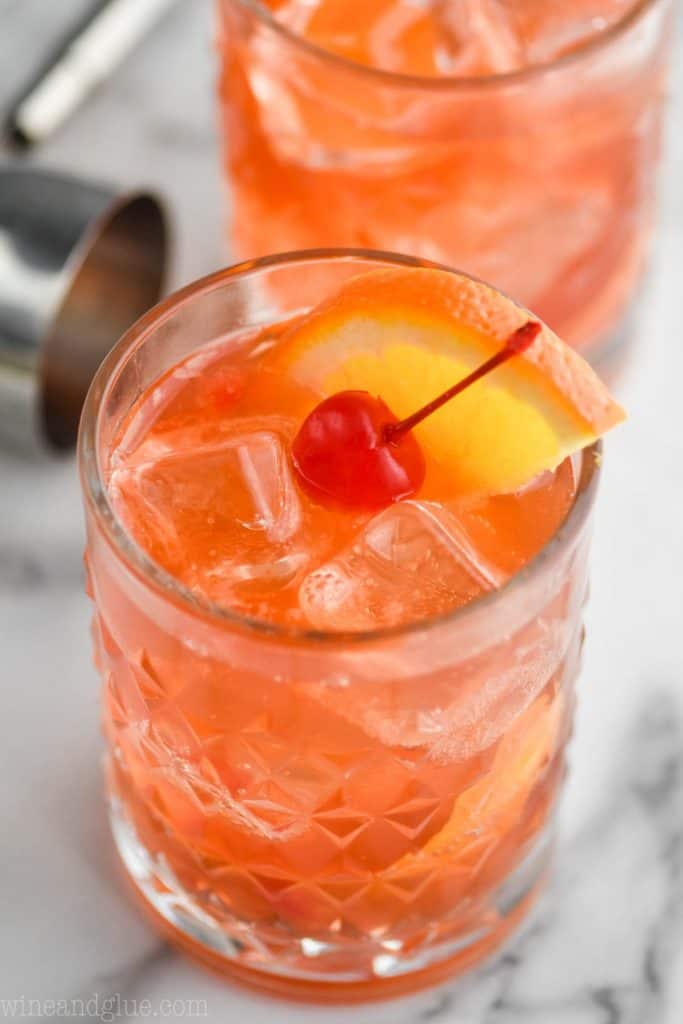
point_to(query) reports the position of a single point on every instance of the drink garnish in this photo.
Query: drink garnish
(406, 335)
(352, 448)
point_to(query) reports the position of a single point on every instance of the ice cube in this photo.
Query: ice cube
(548, 28)
(481, 37)
(395, 35)
(217, 514)
(411, 561)
(476, 37)
(244, 478)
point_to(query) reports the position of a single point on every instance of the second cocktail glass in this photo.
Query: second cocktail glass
(541, 179)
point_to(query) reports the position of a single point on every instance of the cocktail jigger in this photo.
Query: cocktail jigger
(79, 263)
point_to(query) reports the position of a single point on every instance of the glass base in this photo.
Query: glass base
(308, 970)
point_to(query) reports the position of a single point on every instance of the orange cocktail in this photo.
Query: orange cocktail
(336, 729)
(516, 139)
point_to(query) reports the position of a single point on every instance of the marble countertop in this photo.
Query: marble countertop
(606, 944)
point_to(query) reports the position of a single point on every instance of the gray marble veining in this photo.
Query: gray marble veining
(605, 945)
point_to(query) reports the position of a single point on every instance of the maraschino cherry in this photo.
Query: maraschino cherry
(353, 450)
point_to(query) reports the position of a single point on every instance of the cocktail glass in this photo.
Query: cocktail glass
(322, 815)
(541, 180)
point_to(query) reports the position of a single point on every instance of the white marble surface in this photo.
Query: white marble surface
(606, 946)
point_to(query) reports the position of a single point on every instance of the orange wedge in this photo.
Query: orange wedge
(494, 805)
(407, 335)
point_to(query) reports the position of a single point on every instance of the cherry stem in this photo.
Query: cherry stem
(518, 342)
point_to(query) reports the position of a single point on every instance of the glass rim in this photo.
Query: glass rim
(165, 584)
(447, 83)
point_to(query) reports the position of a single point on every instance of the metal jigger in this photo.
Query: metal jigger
(79, 263)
